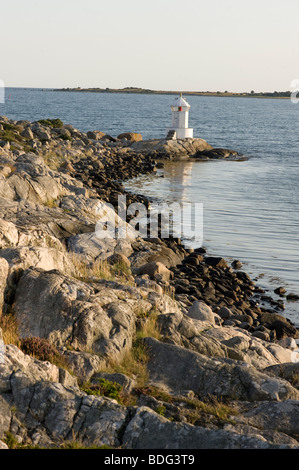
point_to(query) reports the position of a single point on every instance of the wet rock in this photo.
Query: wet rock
(280, 324)
(236, 264)
(216, 262)
(280, 291)
(292, 297)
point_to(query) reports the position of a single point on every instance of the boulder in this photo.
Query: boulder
(68, 313)
(27, 133)
(89, 247)
(155, 269)
(236, 264)
(288, 371)
(280, 324)
(9, 234)
(177, 328)
(95, 135)
(22, 258)
(148, 430)
(179, 370)
(201, 311)
(172, 149)
(119, 258)
(131, 136)
(243, 346)
(216, 262)
(47, 412)
(280, 291)
(279, 416)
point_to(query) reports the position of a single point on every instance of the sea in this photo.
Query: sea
(250, 206)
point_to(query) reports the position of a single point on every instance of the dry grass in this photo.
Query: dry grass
(52, 203)
(211, 411)
(149, 328)
(10, 329)
(101, 269)
(133, 364)
(53, 159)
(134, 361)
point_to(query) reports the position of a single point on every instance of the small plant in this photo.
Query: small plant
(12, 443)
(53, 159)
(99, 269)
(149, 327)
(161, 410)
(65, 137)
(104, 388)
(154, 392)
(51, 123)
(10, 136)
(85, 272)
(51, 203)
(212, 408)
(78, 445)
(121, 269)
(42, 349)
(133, 364)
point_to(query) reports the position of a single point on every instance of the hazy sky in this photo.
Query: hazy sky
(232, 45)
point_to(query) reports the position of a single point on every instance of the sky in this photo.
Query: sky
(187, 45)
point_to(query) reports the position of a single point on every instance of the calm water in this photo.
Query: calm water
(251, 208)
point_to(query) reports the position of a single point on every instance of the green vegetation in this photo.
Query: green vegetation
(104, 388)
(51, 123)
(133, 363)
(52, 203)
(65, 137)
(194, 411)
(10, 136)
(13, 443)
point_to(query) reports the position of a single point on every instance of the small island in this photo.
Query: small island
(137, 90)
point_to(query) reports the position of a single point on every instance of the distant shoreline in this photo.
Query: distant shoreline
(133, 90)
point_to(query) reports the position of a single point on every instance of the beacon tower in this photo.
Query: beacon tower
(180, 114)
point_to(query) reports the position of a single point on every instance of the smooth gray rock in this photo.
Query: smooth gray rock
(282, 416)
(201, 311)
(148, 430)
(178, 370)
(68, 313)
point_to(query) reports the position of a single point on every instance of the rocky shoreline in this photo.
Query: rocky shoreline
(129, 343)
